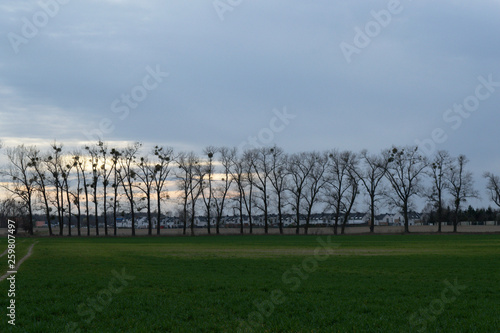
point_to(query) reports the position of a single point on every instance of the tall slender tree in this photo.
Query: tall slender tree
(65, 174)
(145, 184)
(370, 175)
(54, 165)
(460, 184)
(278, 179)
(238, 176)
(249, 179)
(81, 165)
(22, 178)
(190, 182)
(339, 183)
(316, 181)
(94, 154)
(115, 158)
(353, 192)
(405, 170)
(77, 194)
(438, 167)
(493, 187)
(128, 176)
(207, 192)
(164, 156)
(226, 157)
(262, 168)
(107, 169)
(300, 166)
(41, 182)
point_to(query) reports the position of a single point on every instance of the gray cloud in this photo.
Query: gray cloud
(226, 77)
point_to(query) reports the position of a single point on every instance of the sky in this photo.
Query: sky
(304, 75)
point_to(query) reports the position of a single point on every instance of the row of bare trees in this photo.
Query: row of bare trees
(100, 181)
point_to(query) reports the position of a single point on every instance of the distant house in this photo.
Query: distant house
(398, 219)
(358, 218)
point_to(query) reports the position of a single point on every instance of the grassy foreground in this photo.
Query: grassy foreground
(383, 283)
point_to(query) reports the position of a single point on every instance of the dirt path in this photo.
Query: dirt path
(30, 252)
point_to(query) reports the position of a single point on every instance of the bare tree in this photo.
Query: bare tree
(351, 195)
(81, 166)
(11, 209)
(54, 166)
(339, 183)
(278, 179)
(22, 182)
(41, 182)
(437, 170)
(106, 175)
(65, 174)
(493, 187)
(262, 167)
(115, 158)
(249, 179)
(94, 153)
(207, 192)
(316, 181)
(371, 175)
(77, 194)
(220, 194)
(460, 184)
(300, 165)
(162, 169)
(146, 183)
(183, 185)
(238, 176)
(127, 176)
(405, 168)
(190, 182)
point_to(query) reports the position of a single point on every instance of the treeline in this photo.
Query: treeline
(103, 182)
(470, 214)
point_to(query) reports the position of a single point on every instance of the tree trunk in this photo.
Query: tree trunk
(96, 212)
(158, 216)
(193, 212)
(150, 222)
(78, 218)
(297, 230)
(440, 214)
(372, 214)
(280, 215)
(87, 209)
(105, 212)
(265, 218)
(47, 211)
(30, 212)
(336, 223)
(405, 213)
(133, 217)
(69, 211)
(455, 222)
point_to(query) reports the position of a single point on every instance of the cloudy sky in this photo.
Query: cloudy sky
(305, 75)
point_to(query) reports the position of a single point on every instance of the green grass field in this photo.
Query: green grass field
(382, 283)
